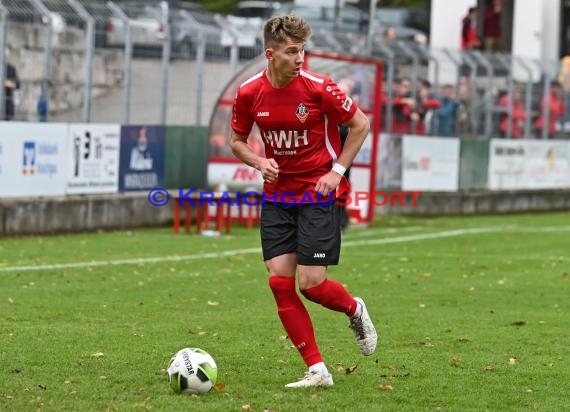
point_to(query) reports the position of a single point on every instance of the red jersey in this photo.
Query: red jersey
(299, 126)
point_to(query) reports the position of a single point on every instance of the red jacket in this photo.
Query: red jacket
(557, 110)
(425, 104)
(517, 118)
(469, 38)
(492, 22)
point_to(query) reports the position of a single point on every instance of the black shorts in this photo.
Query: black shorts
(312, 231)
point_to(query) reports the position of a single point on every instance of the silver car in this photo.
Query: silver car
(146, 27)
(188, 22)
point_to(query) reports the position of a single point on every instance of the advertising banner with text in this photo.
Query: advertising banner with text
(430, 163)
(93, 158)
(529, 164)
(32, 159)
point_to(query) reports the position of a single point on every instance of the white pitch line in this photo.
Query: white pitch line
(229, 253)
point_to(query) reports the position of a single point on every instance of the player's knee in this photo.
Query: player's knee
(281, 284)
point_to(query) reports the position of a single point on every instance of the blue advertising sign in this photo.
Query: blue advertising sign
(141, 164)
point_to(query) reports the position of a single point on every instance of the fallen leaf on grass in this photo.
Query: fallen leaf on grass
(338, 366)
(219, 387)
(386, 387)
(351, 369)
(519, 323)
(456, 360)
(314, 396)
(392, 367)
(246, 407)
(98, 354)
(42, 386)
(213, 303)
(513, 361)
(489, 368)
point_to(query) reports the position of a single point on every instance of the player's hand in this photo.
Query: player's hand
(328, 183)
(269, 170)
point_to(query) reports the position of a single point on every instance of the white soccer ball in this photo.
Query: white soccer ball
(193, 371)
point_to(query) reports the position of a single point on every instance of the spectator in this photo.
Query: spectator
(518, 115)
(426, 103)
(469, 39)
(556, 113)
(403, 105)
(447, 112)
(465, 98)
(564, 80)
(11, 87)
(492, 25)
(390, 33)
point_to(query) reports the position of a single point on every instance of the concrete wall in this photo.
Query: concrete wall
(122, 211)
(80, 213)
(484, 202)
(67, 70)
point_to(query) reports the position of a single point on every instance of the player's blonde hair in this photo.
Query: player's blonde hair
(278, 29)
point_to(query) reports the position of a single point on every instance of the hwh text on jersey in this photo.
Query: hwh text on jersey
(285, 138)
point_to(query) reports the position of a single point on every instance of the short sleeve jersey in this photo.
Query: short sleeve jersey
(299, 125)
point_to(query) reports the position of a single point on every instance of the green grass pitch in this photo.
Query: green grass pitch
(472, 314)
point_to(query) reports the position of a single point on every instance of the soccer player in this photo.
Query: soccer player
(298, 113)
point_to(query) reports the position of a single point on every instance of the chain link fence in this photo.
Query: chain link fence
(152, 62)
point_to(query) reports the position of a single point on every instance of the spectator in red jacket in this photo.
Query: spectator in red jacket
(556, 113)
(403, 105)
(469, 39)
(492, 25)
(425, 105)
(518, 116)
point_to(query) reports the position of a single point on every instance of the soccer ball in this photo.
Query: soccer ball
(193, 371)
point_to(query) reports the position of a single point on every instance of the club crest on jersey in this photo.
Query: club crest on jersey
(302, 113)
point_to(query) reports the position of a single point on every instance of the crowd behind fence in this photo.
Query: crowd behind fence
(96, 61)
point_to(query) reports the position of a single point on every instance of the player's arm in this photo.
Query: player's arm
(358, 128)
(268, 167)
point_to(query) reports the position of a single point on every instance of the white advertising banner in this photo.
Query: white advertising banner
(32, 159)
(430, 164)
(234, 176)
(529, 164)
(93, 158)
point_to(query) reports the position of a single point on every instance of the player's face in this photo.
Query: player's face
(287, 58)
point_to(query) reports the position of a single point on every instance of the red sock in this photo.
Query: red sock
(295, 318)
(332, 295)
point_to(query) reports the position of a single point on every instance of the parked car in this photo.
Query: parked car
(350, 18)
(245, 22)
(187, 21)
(187, 24)
(147, 29)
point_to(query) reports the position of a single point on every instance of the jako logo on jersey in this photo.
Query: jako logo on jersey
(347, 104)
(319, 255)
(302, 113)
(285, 138)
(262, 114)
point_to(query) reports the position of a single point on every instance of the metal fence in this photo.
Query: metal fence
(97, 61)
